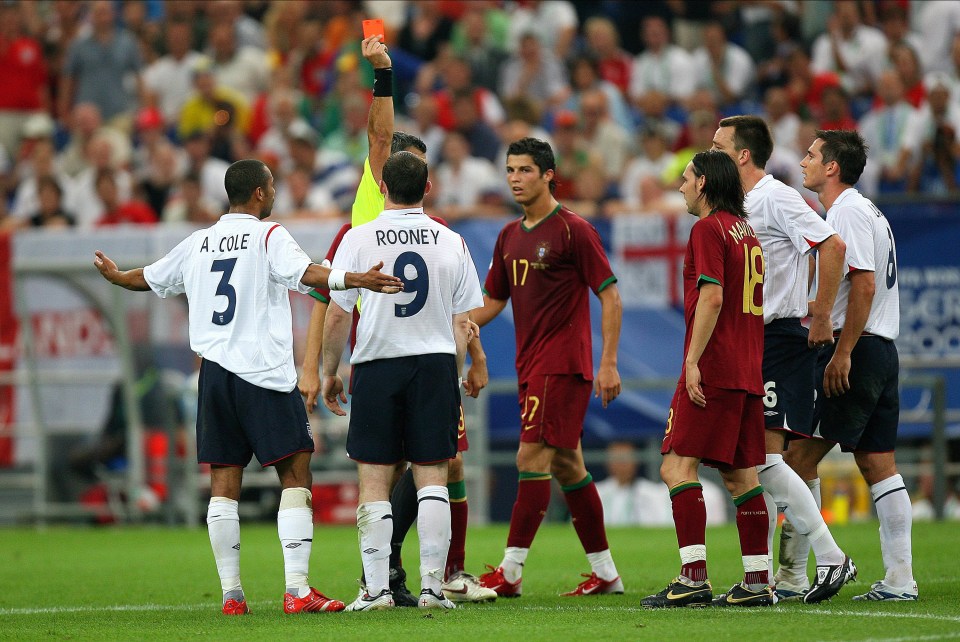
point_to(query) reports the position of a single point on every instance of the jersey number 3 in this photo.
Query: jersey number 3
(225, 289)
(419, 285)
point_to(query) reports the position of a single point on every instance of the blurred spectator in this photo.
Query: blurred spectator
(249, 32)
(584, 77)
(281, 24)
(554, 22)
(168, 81)
(243, 69)
(424, 111)
(23, 76)
(468, 186)
(702, 125)
(939, 22)
(455, 75)
(954, 72)
(572, 154)
(641, 179)
(200, 112)
(783, 121)
(835, 110)
(601, 132)
(37, 161)
(326, 168)
(850, 49)
(722, 67)
(283, 106)
(756, 20)
(663, 68)
(85, 124)
(806, 86)
(188, 204)
(479, 37)
(51, 212)
(159, 174)
(591, 195)
(688, 20)
(534, 72)
(466, 120)
(896, 29)
(938, 131)
(907, 65)
(210, 170)
(103, 68)
(117, 211)
(425, 31)
(603, 43)
(101, 159)
(889, 129)
(785, 30)
(298, 197)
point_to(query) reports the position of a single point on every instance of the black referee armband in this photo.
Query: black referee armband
(383, 82)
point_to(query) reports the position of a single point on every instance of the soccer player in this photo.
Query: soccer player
(789, 231)
(459, 586)
(546, 262)
(406, 378)
(235, 275)
(716, 416)
(861, 401)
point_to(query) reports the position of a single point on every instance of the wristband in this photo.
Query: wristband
(383, 82)
(337, 280)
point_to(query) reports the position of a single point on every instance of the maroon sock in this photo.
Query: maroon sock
(533, 497)
(752, 524)
(690, 520)
(458, 537)
(583, 500)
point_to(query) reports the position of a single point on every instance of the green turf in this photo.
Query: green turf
(140, 583)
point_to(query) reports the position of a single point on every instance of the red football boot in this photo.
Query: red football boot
(593, 585)
(314, 602)
(495, 580)
(233, 607)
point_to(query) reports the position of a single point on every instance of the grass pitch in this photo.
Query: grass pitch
(140, 583)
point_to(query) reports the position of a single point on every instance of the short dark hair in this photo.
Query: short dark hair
(405, 175)
(402, 141)
(753, 134)
(243, 178)
(848, 149)
(539, 150)
(723, 189)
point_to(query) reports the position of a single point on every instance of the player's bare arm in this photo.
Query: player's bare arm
(607, 384)
(380, 121)
(462, 334)
(830, 257)
(704, 321)
(491, 308)
(318, 276)
(129, 279)
(836, 378)
(477, 375)
(309, 382)
(336, 329)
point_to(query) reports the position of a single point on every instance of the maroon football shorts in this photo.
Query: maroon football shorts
(462, 443)
(552, 409)
(727, 432)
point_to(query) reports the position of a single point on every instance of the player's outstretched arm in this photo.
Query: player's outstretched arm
(830, 256)
(336, 329)
(477, 375)
(491, 308)
(380, 121)
(704, 321)
(318, 276)
(607, 384)
(309, 383)
(129, 279)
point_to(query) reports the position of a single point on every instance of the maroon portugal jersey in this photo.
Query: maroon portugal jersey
(547, 271)
(723, 249)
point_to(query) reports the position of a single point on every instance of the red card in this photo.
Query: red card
(373, 28)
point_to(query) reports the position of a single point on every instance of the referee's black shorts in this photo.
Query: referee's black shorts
(406, 408)
(789, 378)
(865, 418)
(237, 419)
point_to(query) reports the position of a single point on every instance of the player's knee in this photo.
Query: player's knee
(875, 469)
(455, 469)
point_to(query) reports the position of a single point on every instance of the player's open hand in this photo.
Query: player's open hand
(694, 389)
(374, 279)
(375, 52)
(333, 395)
(607, 384)
(106, 266)
(309, 385)
(836, 378)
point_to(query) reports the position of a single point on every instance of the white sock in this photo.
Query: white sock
(375, 523)
(896, 521)
(602, 564)
(513, 559)
(295, 528)
(789, 491)
(794, 547)
(223, 524)
(433, 528)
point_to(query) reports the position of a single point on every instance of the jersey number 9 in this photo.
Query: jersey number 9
(419, 284)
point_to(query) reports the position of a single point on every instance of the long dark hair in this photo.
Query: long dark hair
(722, 189)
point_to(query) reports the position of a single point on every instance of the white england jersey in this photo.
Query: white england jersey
(236, 275)
(870, 246)
(788, 230)
(439, 277)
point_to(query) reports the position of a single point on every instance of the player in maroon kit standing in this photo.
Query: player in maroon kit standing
(716, 416)
(547, 262)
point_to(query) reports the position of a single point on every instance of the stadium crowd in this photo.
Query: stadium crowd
(130, 112)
